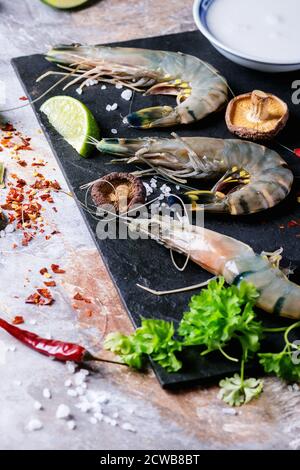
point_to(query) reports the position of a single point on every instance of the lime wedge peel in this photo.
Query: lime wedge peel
(73, 121)
(65, 4)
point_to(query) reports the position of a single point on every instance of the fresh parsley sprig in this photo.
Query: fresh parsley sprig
(154, 338)
(285, 364)
(216, 316)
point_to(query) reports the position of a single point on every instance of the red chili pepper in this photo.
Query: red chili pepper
(60, 350)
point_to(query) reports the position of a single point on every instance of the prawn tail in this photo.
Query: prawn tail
(119, 147)
(157, 116)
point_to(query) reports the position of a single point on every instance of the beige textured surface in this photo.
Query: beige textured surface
(192, 419)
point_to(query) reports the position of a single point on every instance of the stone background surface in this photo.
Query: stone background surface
(189, 419)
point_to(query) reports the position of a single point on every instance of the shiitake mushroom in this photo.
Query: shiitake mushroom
(122, 190)
(256, 115)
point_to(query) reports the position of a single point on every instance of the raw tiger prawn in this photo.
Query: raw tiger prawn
(199, 88)
(253, 177)
(225, 256)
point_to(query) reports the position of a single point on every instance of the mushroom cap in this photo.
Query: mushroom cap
(256, 115)
(122, 190)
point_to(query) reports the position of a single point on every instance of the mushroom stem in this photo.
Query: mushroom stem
(259, 106)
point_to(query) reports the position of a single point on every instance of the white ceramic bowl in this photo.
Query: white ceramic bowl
(200, 12)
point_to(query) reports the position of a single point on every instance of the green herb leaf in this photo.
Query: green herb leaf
(156, 339)
(236, 391)
(218, 314)
(281, 364)
(124, 347)
(153, 338)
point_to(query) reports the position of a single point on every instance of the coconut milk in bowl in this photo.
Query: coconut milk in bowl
(260, 34)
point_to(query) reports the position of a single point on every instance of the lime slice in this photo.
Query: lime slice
(73, 120)
(65, 3)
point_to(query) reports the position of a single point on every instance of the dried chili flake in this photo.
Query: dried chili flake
(20, 183)
(79, 296)
(37, 164)
(18, 320)
(33, 298)
(27, 237)
(43, 271)
(8, 127)
(22, 163)
(56, 269)
(23, 98)
(45, 293)
(50, 283)
(41, 297)
(47, 197)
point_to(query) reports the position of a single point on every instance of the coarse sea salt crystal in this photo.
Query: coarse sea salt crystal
(37, 405)
(153, 183)
(108, 107)
(46, 393)
(119, 86)
(110, 421)
(114, 131)
(148, 188)
(124, 120)
(72, 393)
(126, 95)
(18, 383)
(102, 397)
(103, 87)
(128, 427)
(63, 412)
(12, 348)
(91, 82)
(79, 91)
(9, 228)
(229, 411)
(99, 416)
(71, 367)
(34, 425)
(79, 378)
(113, 106)
(165, 189)
(84, 406)
(32, 322)
(93, 420)
(68, 383)
(71, 424)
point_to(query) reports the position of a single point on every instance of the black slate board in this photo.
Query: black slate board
(144, 261)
